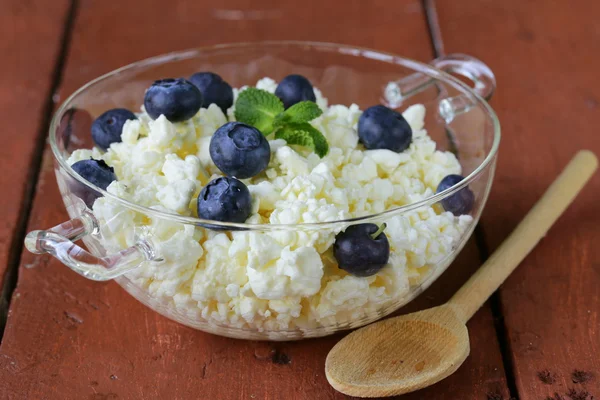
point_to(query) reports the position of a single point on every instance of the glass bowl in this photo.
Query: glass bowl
(219, 296)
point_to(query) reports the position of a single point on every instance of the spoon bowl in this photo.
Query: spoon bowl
(428, 346)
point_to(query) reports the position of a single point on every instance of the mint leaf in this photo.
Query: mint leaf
(301, 112)
(304, 134)
(258, 108)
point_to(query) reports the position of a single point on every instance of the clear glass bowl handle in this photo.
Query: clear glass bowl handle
(484, 84)
(59, 242)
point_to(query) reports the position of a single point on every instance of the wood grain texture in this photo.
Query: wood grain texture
(544, 55)
(399, 355)
(534, 226)
(31, 33)
(72, 338)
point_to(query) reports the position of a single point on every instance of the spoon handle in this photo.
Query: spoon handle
(525, 237)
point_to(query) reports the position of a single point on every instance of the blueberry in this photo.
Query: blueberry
(460, 202)
(98, 173)
(294, 89)
(357, 252)
(382, 128)
(176, 99)
(107, 128)
(225, 199)
(214, 90)
(239, 150)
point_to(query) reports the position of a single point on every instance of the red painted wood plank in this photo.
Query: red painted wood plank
(31, 33)
(545, 56)
(69, 337)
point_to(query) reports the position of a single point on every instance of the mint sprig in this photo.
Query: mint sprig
(265, 111)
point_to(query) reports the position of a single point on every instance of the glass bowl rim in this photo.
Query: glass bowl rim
(341, 48)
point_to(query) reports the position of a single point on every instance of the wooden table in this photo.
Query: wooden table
(538, 338)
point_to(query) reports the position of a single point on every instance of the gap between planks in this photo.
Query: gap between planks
(16, 247)
(435, 33)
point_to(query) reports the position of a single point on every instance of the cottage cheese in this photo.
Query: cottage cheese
(279, 279)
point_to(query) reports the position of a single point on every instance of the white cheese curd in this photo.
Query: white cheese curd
(292, 273)
(284, 279)
(84, 154)
(131, 131)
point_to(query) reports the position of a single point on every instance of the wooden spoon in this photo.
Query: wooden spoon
(410, 352)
